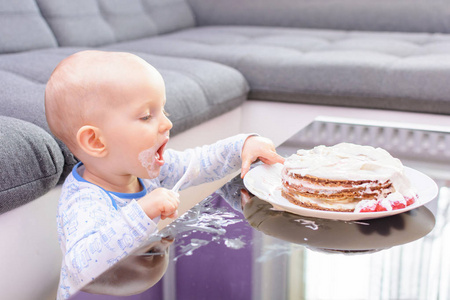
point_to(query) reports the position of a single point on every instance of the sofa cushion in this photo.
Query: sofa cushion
(22, 27)
(127, 19)
(76, 23)
(403, 71)
(169, 15)
(198, 90)
(23, 77)
(31, 163)
(362, 15)
(94, 23)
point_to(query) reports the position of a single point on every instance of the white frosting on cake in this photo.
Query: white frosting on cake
(347, 161)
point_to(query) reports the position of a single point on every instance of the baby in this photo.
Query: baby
(108, 108)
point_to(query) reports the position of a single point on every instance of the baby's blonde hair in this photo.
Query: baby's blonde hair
(64, 94)
(76, 87)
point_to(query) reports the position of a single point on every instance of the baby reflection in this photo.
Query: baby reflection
(136, 273)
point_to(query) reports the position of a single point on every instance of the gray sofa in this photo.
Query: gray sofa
(214, 56)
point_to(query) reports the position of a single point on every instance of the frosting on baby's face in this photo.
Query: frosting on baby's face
(148, 159)
(152, 158)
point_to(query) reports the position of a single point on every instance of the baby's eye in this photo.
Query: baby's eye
(147, 117)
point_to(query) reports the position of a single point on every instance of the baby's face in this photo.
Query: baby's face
(135, 125)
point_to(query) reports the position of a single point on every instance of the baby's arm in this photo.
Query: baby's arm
(160, 202)
(215, 161)
(218, 160)
(94, 235)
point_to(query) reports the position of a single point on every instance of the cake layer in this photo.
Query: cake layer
(311, 186)
(320, 204)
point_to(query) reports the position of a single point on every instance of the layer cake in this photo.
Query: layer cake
(346, 177)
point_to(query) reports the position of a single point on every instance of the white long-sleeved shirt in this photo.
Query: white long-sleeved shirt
(97, 228)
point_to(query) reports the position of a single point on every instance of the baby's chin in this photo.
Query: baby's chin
(151, 172)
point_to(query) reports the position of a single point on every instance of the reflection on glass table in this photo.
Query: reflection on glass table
(339, 236)
(233, 245)
(136, 273)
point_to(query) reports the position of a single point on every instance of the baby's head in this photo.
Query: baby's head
(99, 103)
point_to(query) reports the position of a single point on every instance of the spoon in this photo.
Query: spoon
(191, 172)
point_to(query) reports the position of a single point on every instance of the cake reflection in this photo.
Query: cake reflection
(334, 236)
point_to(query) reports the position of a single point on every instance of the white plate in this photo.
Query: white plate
(264, 181)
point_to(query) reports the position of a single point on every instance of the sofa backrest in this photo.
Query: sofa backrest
(22, 27)
(100, 22)
(365, 15)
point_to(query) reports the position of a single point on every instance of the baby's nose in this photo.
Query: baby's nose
(166, 124)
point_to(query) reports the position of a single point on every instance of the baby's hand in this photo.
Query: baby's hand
(256, 147)
(160, 202)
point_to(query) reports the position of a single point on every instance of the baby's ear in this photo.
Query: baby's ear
(90, 141)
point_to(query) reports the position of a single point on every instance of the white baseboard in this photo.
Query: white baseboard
(30, 257)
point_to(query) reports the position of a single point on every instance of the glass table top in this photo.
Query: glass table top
(233, 245)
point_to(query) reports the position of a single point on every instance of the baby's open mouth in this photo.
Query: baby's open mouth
(159, 154)
(152, 158)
